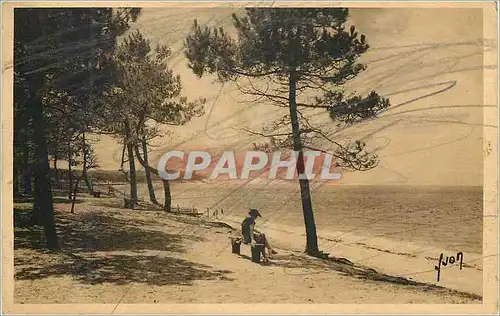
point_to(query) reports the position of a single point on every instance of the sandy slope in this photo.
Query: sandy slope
(397, 230)
(116, 256)
(428, 61)
(412, 261)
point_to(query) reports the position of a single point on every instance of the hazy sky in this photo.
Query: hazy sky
(427, 61)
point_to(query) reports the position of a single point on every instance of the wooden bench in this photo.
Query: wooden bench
(257, 249)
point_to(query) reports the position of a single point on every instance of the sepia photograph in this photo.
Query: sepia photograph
(253, 157)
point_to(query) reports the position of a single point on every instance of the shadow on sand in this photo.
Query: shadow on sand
(55, 200)
(100, 248)
(348, 268)
(125, 269)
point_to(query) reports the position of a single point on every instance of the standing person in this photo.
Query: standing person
(251, 235)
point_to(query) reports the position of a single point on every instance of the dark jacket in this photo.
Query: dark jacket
(247, 223)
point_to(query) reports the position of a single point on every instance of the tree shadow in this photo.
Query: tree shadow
(348, 268)
(110, 202)
(32, 237)
(125, 269)
(22, 218)
(65, 200)
(55, 200)
(97, 231)
(106, 247)
(119, 203)
(200, 221)
(23, 199)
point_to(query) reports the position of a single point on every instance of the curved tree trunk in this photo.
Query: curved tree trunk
(168, 196)
(305, 194)
(131, 162)
(166, 183)
(133, 178)
(149, 180)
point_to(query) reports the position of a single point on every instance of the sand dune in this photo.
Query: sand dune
(431, 71)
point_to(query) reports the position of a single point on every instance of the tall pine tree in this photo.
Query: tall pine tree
(297, 53)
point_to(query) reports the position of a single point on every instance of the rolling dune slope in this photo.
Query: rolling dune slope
(427, 61)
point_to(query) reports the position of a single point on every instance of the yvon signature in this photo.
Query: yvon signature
(449, 260)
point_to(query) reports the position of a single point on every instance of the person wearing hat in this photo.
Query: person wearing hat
(252, 236)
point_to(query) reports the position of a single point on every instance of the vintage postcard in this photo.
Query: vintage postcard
(249, 157)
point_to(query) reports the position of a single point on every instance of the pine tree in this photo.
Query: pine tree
(294, 53)
(147, 93)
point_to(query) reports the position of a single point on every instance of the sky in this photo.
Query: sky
(428, 62)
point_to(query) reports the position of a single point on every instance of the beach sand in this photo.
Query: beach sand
(401, 229)
(112, 255)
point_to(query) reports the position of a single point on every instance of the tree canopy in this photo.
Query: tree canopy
(146, 94)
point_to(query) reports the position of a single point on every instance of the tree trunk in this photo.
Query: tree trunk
(70, 171)
(151, 188)
(168, 196)
(27, 171)
(131, 163)
(43, 192)
(305, 194)
(36, 212)
(15, 180)
(84, 167)
(56, 171)
(166, 183)
(75, 191)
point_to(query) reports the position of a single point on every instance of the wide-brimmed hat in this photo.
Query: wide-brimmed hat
(254, 211)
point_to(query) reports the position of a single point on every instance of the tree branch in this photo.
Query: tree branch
(278, 100)
(143, 163)
(266, 135)
(248, 74)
